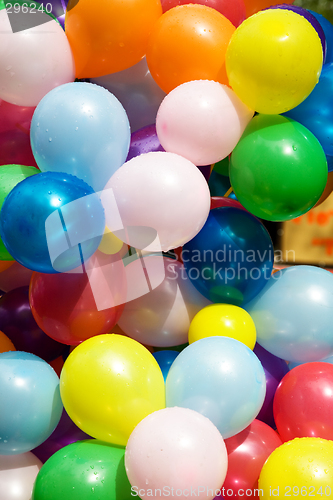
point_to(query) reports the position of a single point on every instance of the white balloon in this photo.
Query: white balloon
(17, 475)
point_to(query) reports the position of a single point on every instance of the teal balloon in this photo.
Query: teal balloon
(30, 403)
(83, 130)
(222, 379)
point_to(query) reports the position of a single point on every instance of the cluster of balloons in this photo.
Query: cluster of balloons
(147, 346)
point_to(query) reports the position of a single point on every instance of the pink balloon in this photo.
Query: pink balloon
(15, 117)
(202, 121)
(176, 450)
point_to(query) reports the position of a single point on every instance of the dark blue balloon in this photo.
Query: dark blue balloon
(52, 222)
(231, 259)
(316, 112)
(328, 30)
(165, 360)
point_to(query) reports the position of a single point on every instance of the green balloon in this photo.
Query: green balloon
(85, 470)
(2, 4)
(10, 176)
(278, 170)
(222, 167)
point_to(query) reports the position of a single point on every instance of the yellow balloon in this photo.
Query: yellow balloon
(274, 60)
(224, 320)
(300, 468)
(108, 384)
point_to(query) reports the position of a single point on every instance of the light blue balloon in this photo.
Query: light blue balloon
(293, 314)
(80, 129)
(325, 360)
(30, 403)
(222, 379)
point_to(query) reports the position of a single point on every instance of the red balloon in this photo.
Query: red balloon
(303, 402)
(15, 148)
(221, 201)
(14, 117)
(234, 10)
(247, 453)
(14, 276)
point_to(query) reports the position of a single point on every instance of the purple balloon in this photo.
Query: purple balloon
(143, 141)
(64, 434)
(275, 369)
(309, 17)
(18, 323)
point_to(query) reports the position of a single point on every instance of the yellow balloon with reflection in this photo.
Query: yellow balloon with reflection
(108, 384)
(274, 60)
(300, 468)
(223, 320)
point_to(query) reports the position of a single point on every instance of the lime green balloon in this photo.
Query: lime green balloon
(10, 176)
(85, 470)
(278, 170)
(2, 4)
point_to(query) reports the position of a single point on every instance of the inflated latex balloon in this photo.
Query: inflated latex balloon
(144, 141)
(292, 364)
(109, 37)
(260, 61)
(66, 306)
(220, 201)
(299, 467)
(218, 184)
(33, 231)
(293, 314)
(162, 317)
(30, 402)
(234, 11)
(15, 148)
(84, 470)
(188, 455)
(188, 43)
(17, 322)
(231, 259)
(110, 383)
(83, 130)
(247, 453)
(137, 91)
(14, 276)
(165, 359)
(163, 192)
(223, 320)
(283, 164)
(253, 6)
(327, 191)
(15, 117)
(303, 402)
(328, 30)
(10, 176)
(54, 66)
(221, 378)
(17, 475)
(202, 121)
(5, 343)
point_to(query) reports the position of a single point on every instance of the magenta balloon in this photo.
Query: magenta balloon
(14, 117)
(15, 148)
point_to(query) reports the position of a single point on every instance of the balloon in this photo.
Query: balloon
(15, 117)
(31, 405)
(162, 317)
(110, 383)
(223, 320)
(10, 176)
(303, 402)
(247, 453)
(15, 148)
(328, 30)
(327, 191)
(73, 115)
(31, 228)
(222, 167)
(5, 343)
(17, 322)
(109, 37)
(220, 378)
(219, 201)
(66, 307)
(278, 170)
(260, 61)
(275, 369)
(165, 360)
(189, 42)
(253, 6)
(293, 315)
(17, 475)
(234, 11)
(301, 466)
(292, 364)
(163, 192)
(144, 141)
(5, 264)
(137, 91)
(54, 66)
(218, 184)
(14, 277)
(84, 470)
(202, 121)
(231, 259)
(189, 455)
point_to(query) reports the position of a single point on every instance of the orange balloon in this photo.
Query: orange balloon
(5, 343)
(253, 6)
(107, 36)
(327, 191)
(188, 43)
(5, 264)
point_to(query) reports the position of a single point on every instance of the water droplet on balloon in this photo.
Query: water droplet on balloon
(8, 68)
(50, 139)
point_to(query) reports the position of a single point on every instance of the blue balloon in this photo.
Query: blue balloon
(81, 129)
(52, 222)
(293, 314)
(30, 402)
(220, 378)
(328, 31)
(165, 360)
(316, 112)
(231, 259)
